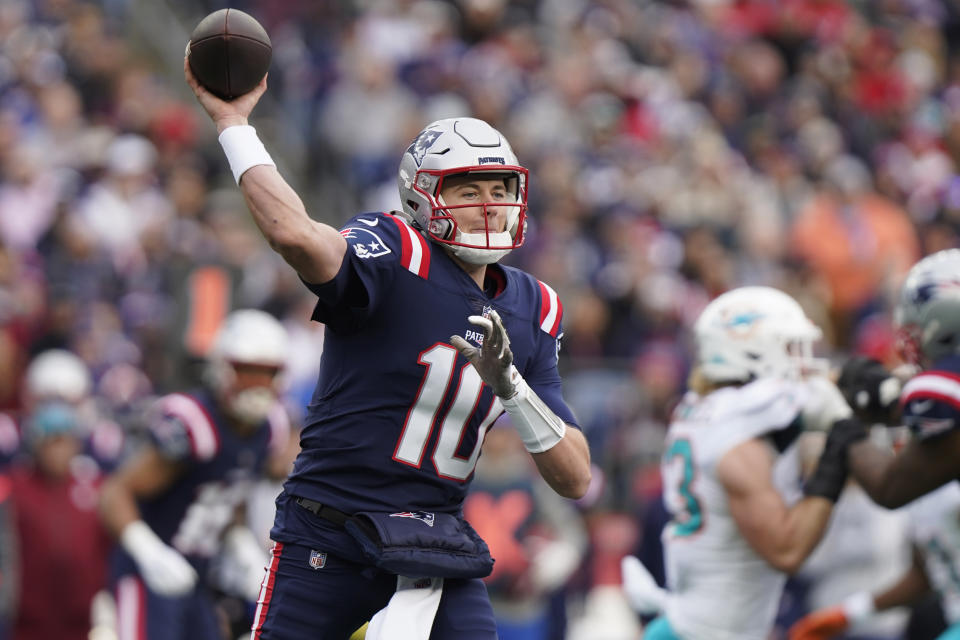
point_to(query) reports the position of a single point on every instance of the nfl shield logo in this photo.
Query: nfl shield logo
(317, 559)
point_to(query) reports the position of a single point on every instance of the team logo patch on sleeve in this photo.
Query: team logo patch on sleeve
(423, 516)
(365, 243)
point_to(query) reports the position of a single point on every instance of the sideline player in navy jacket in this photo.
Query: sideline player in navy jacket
(174, 504)
(428, 342)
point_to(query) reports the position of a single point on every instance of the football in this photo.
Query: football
(229, 53)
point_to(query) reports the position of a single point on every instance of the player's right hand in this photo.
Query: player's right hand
(820, 625)
(224, 114)
(163, 569)
(871, 390)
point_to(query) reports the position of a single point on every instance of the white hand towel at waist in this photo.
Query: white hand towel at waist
(410, 612)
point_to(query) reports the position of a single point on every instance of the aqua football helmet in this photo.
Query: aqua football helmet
(458, 146)
(927, 315)
(755, 332)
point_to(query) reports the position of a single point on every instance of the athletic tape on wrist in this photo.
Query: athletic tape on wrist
(138, 539)
(243, 149)
(539, 427)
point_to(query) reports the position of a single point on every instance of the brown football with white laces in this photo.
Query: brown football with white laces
(229, 53)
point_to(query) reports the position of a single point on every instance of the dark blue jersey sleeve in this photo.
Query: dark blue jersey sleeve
(169, 435)
(181, 428)
(930, 403)
(542, 376)
(375, 249)
(541, 371)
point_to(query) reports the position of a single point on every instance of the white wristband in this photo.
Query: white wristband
(138, 539)
(858, 607)
(539, 427)
(243, 149)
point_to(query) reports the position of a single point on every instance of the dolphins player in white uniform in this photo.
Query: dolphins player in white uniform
(934, 530)
(742, 519)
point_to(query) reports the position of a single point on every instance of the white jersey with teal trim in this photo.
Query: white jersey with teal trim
(720, 589)
(934, 527)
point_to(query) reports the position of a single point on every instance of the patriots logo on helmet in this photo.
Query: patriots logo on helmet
(423, 516)
(418, 148)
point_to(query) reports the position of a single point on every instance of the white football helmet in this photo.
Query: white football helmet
(755, 332)
(247, 336)
(927, 315)
(57, 374)
(457, 146)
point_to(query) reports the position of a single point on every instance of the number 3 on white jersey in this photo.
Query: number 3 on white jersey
(683, 505)
(440, 360)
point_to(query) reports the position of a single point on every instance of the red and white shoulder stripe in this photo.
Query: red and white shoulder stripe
(414, 248)
(204, 440)
(551, 311)
(935, 385)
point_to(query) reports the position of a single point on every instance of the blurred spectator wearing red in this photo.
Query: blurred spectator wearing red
(61, 546)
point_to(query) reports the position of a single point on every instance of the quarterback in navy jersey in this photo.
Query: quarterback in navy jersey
(428, 342)
(176, 505)
(928, 325)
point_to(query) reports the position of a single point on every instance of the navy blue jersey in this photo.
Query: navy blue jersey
(219, 467)
(398, 416)
(930, 401)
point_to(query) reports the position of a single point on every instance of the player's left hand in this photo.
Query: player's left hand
(820, 625)
(240, 545)
(825, 405)
(493, 360)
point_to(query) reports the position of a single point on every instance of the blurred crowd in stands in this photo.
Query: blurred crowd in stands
(677, 148)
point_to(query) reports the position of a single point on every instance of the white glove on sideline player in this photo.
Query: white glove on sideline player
(825, 405)
(241, 546)
(641, 589)
(164, 570)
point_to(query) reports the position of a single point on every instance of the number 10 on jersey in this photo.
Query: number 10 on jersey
(439, 361)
